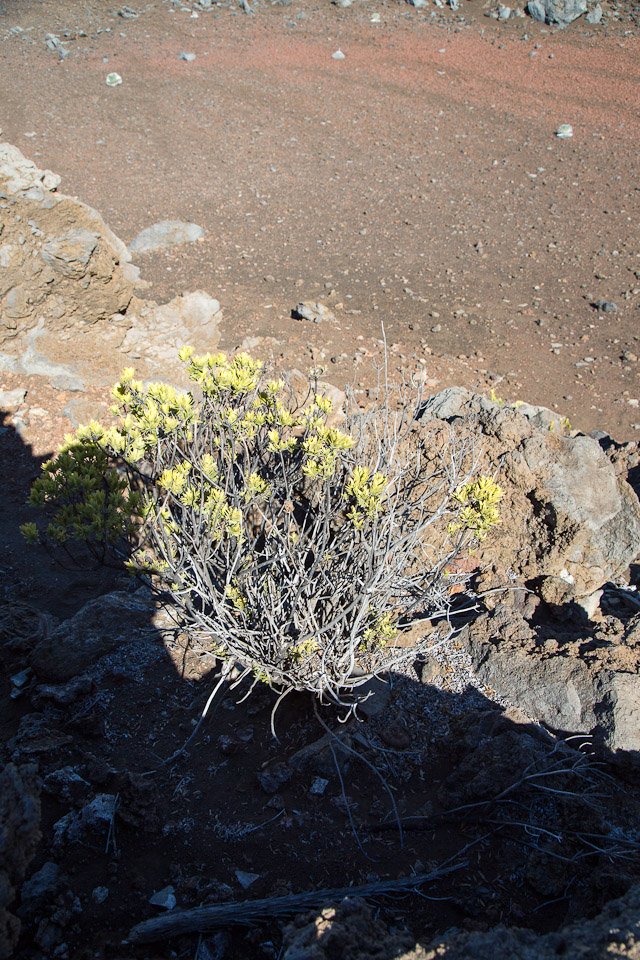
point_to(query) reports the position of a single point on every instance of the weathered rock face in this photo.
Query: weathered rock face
(613, 933)
(494, 764)
(350, 932)
(60, 265)
(157, 332)
(570, 525)
(556, 11)
(19, 837)
(23, 174)
(588, 686)
(567, 511)
(67, 305)
(97, 629)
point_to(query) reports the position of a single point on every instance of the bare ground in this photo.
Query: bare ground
(417, 184)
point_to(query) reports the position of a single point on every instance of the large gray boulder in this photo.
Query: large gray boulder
(567, 511)
(165, 234)
(556, 11)
(578, 686)
(60, 265)
(99, 628)
(158, 331)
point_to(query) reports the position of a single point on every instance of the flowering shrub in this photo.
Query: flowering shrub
(299, 548)
(479, 499)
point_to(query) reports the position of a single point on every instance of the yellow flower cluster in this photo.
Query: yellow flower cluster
(146, 415)
(365, 492)
(209, 468)
(215, 374)
(235, 597)
(141, 563)
(175, 480)
(267, 412)
(303, 650)
(201, 493)
(380, 633)
(279, 443)
(257, 486)
(479, 499)
(322, 447)
(323, 403)
(92, 486)
(261, 674)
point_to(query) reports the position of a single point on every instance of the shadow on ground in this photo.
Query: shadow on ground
(515, 825)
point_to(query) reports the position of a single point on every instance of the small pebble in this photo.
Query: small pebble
(246, 879)
(318, 787)
(164, 898)
(606, 306)
(20, 680)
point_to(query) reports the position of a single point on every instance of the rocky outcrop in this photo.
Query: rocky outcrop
(351, 932)
(588, 685)
(22, 175)
(556, 11)
(67, 306)
(61, 268)
(348, 931)
(570, 525)
(158, 331)
(567, 511)
(613, 933)
(97, 629)
(19, 837)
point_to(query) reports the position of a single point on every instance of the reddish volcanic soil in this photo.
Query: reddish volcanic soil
(418, 183)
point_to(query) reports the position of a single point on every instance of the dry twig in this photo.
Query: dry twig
(238, 913)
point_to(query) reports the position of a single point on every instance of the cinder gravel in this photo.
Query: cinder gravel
(418, 183)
